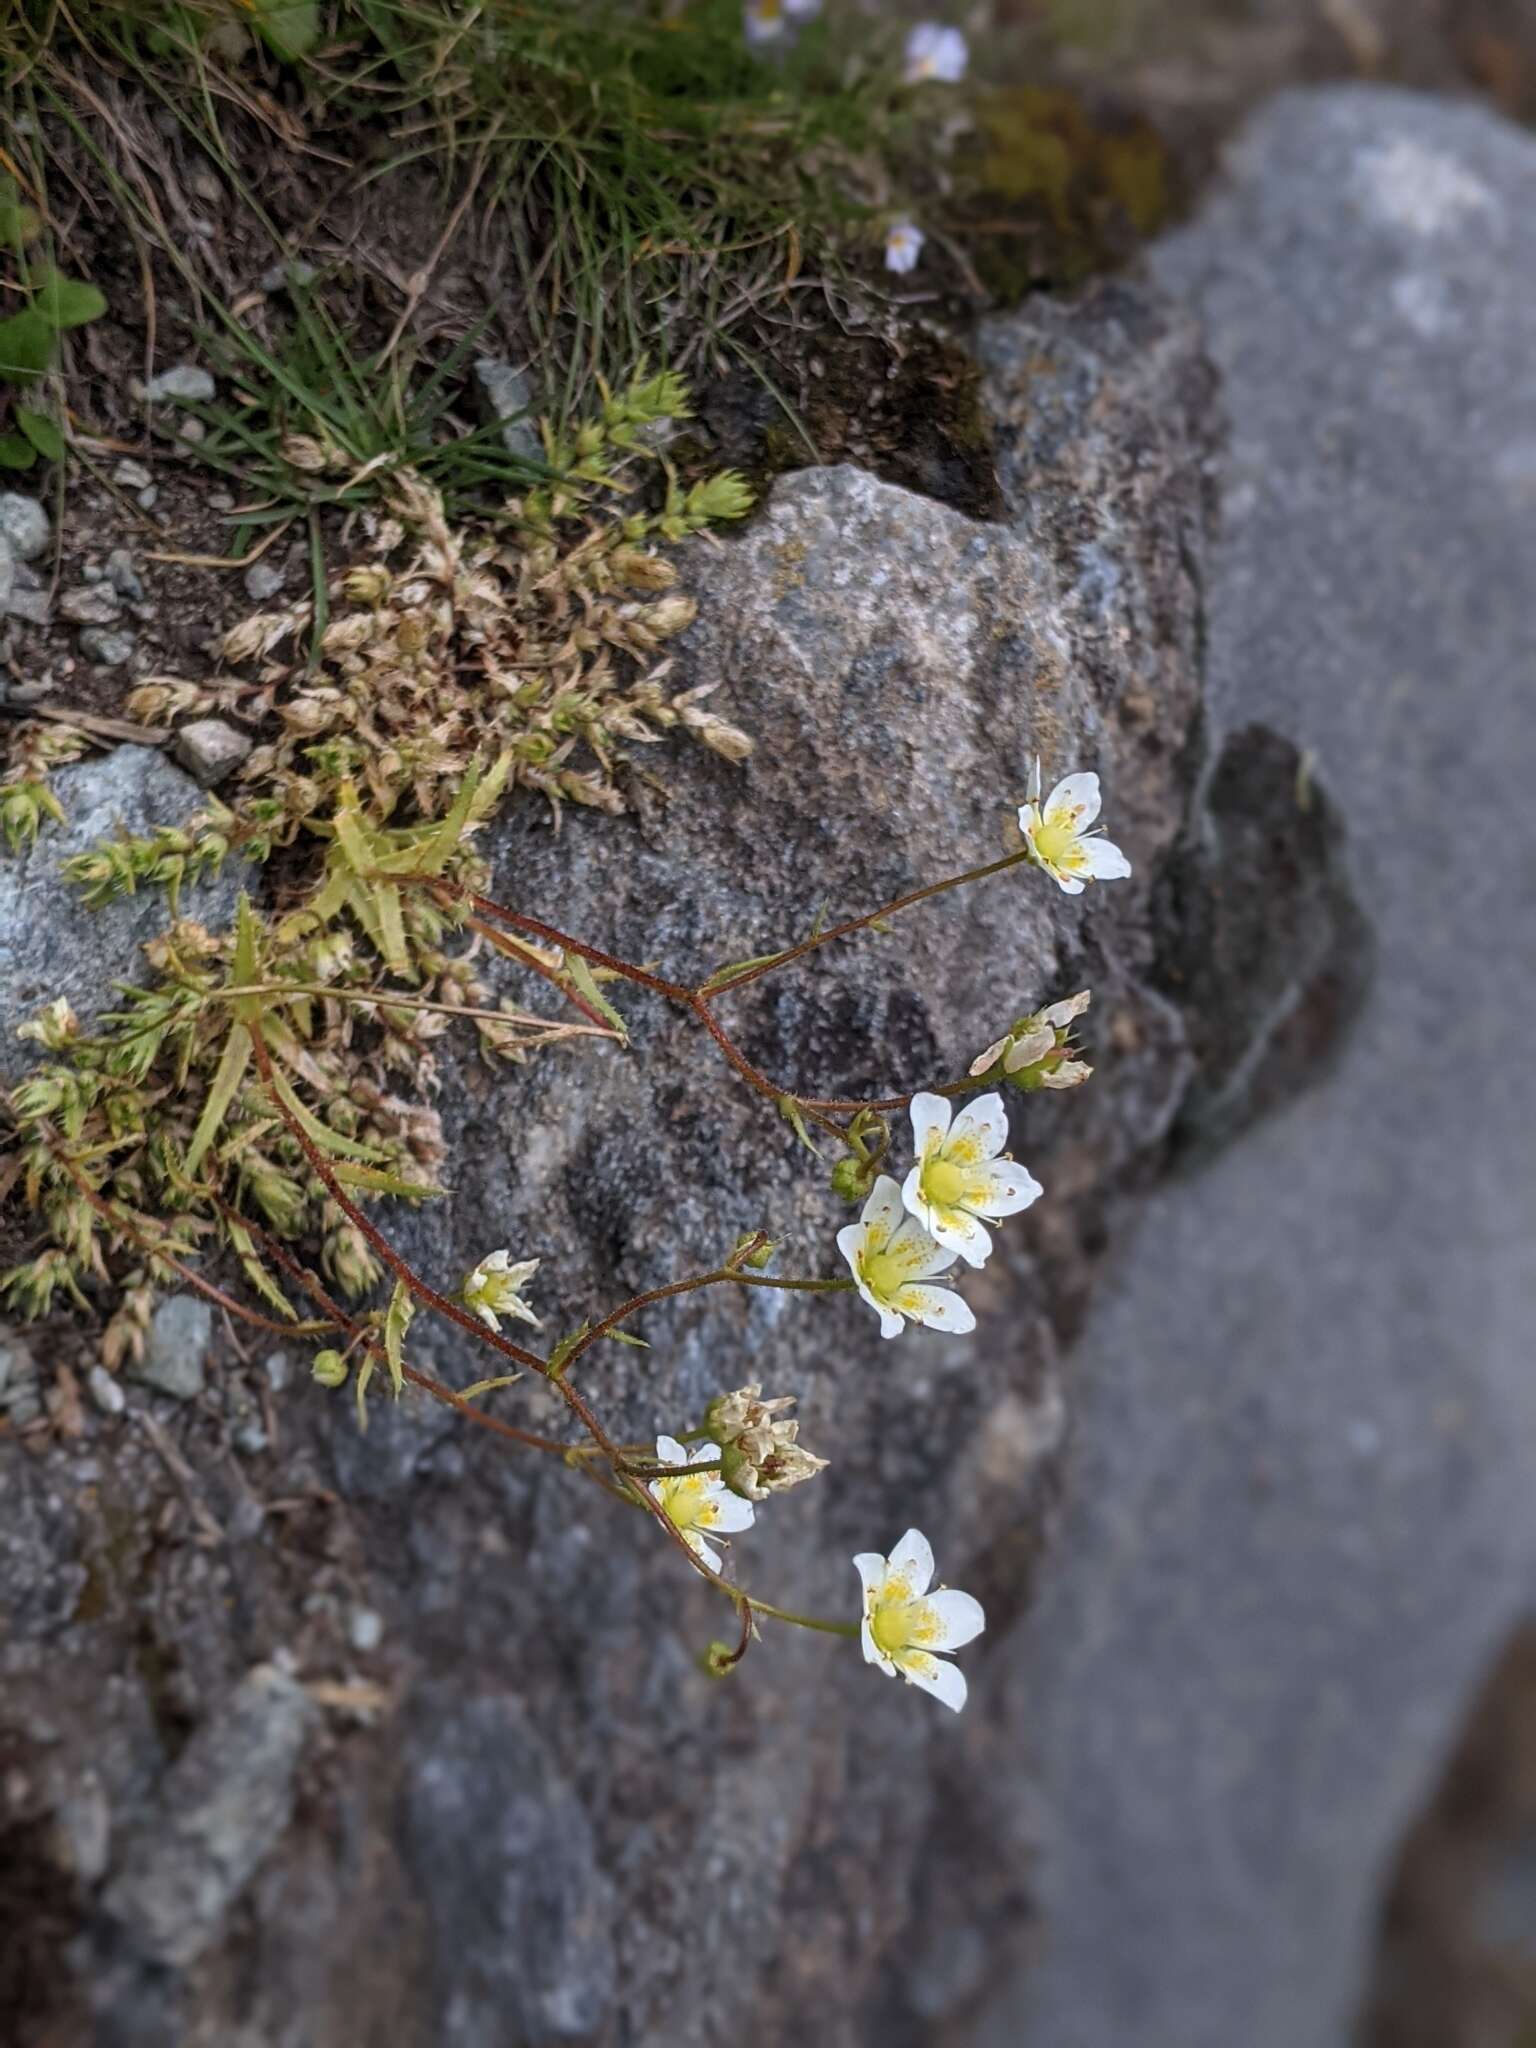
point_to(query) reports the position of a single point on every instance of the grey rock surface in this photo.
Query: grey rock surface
(50, 944)
(7, 572)
(176, 1346)
(703, 1858)
(223, 1805)
(524, 1915)
(1299, 1508)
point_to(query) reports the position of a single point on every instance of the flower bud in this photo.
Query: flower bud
(852, 1178)
(329, 1368)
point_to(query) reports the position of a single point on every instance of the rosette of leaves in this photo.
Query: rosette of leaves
(29, 338)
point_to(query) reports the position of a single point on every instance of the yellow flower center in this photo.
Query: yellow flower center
(883, 1275)
(888, 1626)
(1056, 838)
(686, 1502)
(944, 1183)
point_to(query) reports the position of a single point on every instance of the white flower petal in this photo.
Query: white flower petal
(883, 1213)
(917, 1253)
(946, 1681)
(1034, 1045)
(670, 1452)
(912, 1560)
(1034, 781)
(700, 1548)
(1067, 884)
(957, 1230)
(961, 1619)
(990, 1057)
(980, 1130)
(930, 1123)
(1005, 1188)
(1079, 794)
(1061, 1014)
(1104, 860)
(937, 1308)
(731, 1514)
(850, 1242)
(1070, 1074)
(871, 1568)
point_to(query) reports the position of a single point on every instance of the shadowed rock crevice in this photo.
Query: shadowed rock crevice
(1264, 946)
(1455, 1964)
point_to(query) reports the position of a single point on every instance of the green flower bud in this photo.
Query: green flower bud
(853, 1178)
(329, 1368)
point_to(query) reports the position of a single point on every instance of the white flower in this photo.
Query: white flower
(759, 1451)
(959, 1178)
(1037, 1052)
(493, 1290)
(904, 1623)
(763, 21)
(1056, 835)
(803, 10)
(891, 1254)
(695, 1501)
(904, 241)
(935, 52)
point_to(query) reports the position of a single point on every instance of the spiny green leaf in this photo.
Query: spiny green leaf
(789, 1109)
(369, 1180)
(319, 1134)
(233, 1062)
(397, 1321)
(735, 967)
(507, 1379)
(582, 979)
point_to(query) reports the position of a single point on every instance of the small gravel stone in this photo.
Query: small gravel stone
(277, 1367)
(133, 476)
(147, 498)
(105, 1391)
(106, 648)
(7, 572)
(211, 750)
(16, 1363)
(90, 604)
(365, 1630)
(249, 1436)
(283, 276)
(191, 430)
(123, 575)
(24, 524)
(220, 501)
(262, 581)
(92, 573)
(31, 605)
(508, 396)
(180, 1331)
(182, 384)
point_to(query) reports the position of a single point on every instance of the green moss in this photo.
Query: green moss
(1054, 195)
